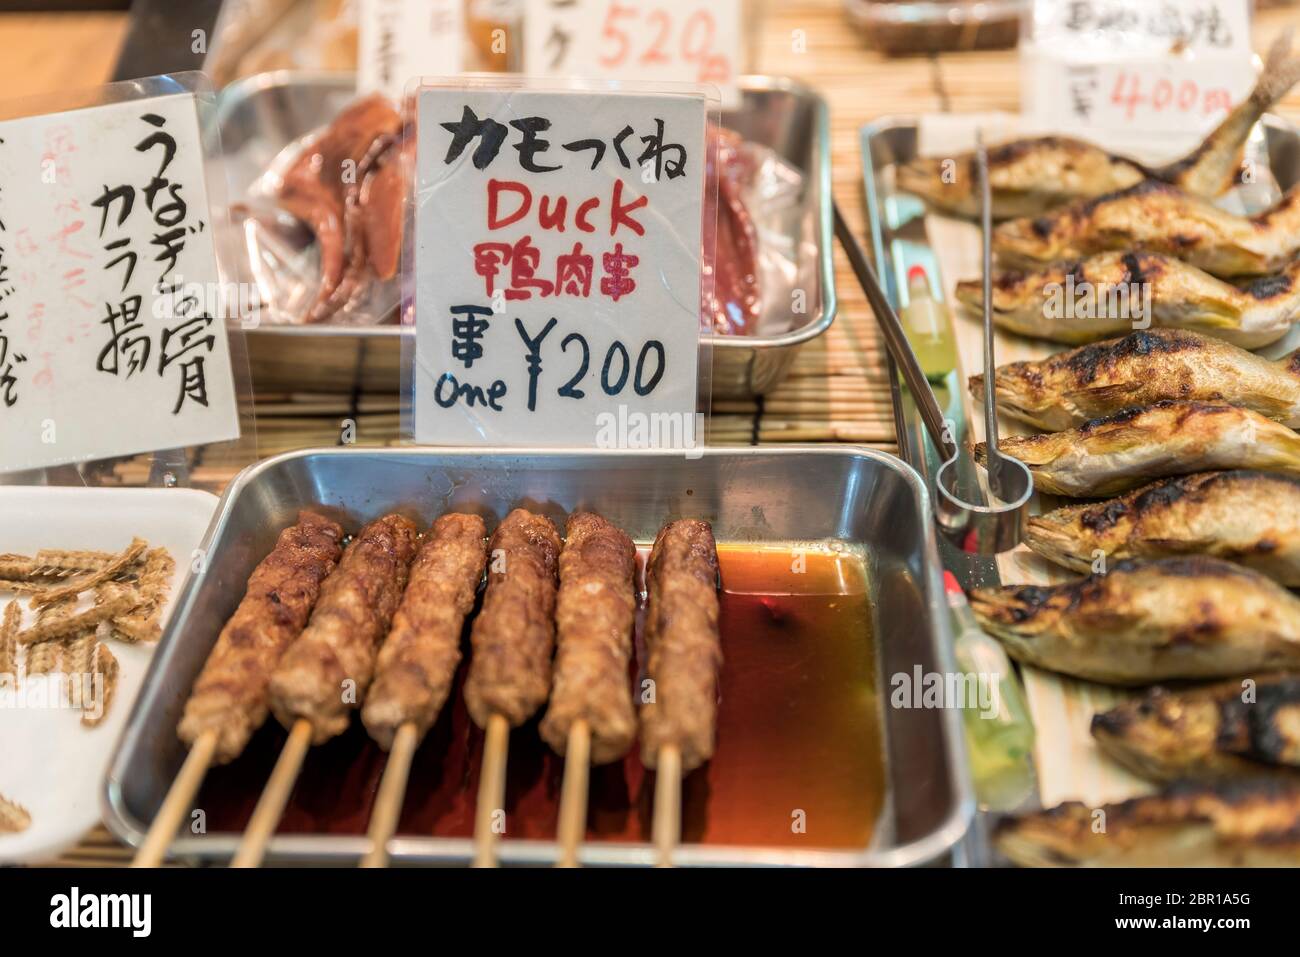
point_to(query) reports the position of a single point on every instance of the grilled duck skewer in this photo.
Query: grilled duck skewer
(1111, 293)
(684, 648)
(1030, 176)
(417, 661)
(1229, 731)
(324, 674)
(1246, 824)
(1111, 455)
(1252, 518)
(513, 640)
(1149, 621)
(229, 698)
(1158, 218)
(1072, 388)
(591, 718)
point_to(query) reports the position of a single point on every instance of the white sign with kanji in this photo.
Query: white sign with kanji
(557, 266)
(112, 340)
(398, 40)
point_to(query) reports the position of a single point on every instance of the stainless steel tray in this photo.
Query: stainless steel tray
(259, 116)
(856, 496)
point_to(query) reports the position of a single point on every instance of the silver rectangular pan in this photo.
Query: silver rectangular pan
(857, 497)
(260, 116)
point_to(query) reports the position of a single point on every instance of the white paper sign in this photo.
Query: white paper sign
(111, 337)
(1137, 68)
(558, 267)
(693, 41)
(398, 40)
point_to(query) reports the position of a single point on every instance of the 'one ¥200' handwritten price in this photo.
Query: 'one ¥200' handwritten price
(108, 342)
(557, 262)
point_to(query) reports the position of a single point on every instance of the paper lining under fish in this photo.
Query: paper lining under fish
(1241, 728)
(1112, 293)
(1111, 455)
(1240, 824)
(1029, 176)
(1157, 217)
(1252, 518)
(1072, 388)
(1144, 622)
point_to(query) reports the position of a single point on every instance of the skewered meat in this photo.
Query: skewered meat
(1159, 218)
(418, 659)
(324, 675)
(328, 188)
(1075, 387)
(1149, 621)
(514, 635)
(1117, 453)
(1029, 176)
(1231, 730)
(594, 617)
(229, 696)
(1110, 293)
(1243, 824)
(683, 644)
(1252, 518)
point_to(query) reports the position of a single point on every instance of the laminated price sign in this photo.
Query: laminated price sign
(556, 266)
(1138, 68)
(697, 41)
(112, 340)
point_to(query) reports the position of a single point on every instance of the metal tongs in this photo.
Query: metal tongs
(974, 522)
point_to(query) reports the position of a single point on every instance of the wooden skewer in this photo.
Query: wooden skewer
(491, 790)
(179, 800)
(573, 794)
(392, 792)
(667, 829)
(270, 806)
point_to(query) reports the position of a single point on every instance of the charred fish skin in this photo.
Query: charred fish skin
(1253, 823)
(1241, 728)
(1027, 177)
(1113, 293)
(1143, 622)
(1249, 517)
(1074, 387)
(1122, 451)
(1157, 217)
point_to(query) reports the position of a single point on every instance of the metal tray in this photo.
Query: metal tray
(259, 116)
(856, 496)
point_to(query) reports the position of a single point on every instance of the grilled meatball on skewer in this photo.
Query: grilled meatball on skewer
(684, 647)
(514, 635)
(595, 613)
(230, 695)
(340, 642)
(419, 657)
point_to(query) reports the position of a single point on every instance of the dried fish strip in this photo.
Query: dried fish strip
(144, 622)
(9, 624)
(105, 664)
(13, 816)
(69, 625)
(106, 573)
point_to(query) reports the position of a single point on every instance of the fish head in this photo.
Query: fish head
(1017, 615)
(1021, 393)
(944, 183)
(1031, 239)
(1158, 729)
(1063, 836)
(1057, 535)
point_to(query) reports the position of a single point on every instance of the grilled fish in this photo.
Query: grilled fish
(1242, 824)
(1160, 218)
(1248, 517)
(1149, 621)
(1075, 387)
(1111, 455)
(1112, 293)
(1030, 176)
(1241, 728)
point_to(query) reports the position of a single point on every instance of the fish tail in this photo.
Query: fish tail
(1211, 168)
